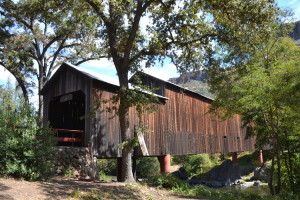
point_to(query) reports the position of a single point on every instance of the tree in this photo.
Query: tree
(46, 33)
(265, 91)
(26, 148)
(185, 31)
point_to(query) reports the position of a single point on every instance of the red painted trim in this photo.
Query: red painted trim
(67, 130)
(65, 139)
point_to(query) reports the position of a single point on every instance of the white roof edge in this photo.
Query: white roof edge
(93, 75)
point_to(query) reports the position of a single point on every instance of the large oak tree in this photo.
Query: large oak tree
(186, 31)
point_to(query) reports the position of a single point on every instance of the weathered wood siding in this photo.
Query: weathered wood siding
(68, 80)
(105, 125)
(184, 126)
(181, 126)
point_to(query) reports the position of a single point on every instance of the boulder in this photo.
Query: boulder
(181, 174)
(195, 181)
(262, 174)
(214, 184)
(256, 183)
(228, 172)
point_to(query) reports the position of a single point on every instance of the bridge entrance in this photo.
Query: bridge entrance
(66, 116)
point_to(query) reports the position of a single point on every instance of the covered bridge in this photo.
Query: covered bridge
(181, 125)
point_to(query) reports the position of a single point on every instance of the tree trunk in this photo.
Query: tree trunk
(278, 188)
(41, 82)
(270, 184)
(289, 163)
(127, 151)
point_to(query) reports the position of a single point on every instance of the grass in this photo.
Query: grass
(172, 183)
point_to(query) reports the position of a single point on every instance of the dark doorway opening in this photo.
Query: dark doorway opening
(66, 116)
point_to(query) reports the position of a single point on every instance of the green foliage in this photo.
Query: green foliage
(47, 33)
(26, 148)
(169, 182)
(147, 167)
(265, 91)
(107, 166)
(196, 164)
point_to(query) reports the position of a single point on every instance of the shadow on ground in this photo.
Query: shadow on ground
(64, 188)
(4, 196)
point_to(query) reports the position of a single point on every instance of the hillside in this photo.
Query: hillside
(296, 33)
(195, 81)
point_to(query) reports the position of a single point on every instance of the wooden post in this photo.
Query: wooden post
(260, 158)
(119, 169)
(234, 157)
(165, 163)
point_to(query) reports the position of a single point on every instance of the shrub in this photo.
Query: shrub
(197, 164)
(170, 182)
(25, 148)
(107, 166)
(147, 167)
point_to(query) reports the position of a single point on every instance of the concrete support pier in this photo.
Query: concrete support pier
(165, 163)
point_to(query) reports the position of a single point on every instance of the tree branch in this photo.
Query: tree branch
(55, 39)
(88, 59)
(140, 9)
(181, 43)
(55, 56)
(143, 52)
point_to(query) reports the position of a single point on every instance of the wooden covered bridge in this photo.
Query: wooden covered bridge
(181, 125)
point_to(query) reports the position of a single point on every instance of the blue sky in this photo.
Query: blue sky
(292, 4)
(106, 70)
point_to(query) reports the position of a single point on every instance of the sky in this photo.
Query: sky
(106, 69)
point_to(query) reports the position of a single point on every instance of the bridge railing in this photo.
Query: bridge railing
(69, 136)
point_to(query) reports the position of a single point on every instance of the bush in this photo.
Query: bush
(147, 167)
(25, 148)
(197, 164)
(107, 166)
(170, 182)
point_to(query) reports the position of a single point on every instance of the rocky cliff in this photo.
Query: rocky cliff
(296, 32)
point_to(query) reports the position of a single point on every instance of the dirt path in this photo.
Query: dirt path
(60, 188)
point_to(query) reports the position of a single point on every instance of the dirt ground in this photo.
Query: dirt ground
(61, 188)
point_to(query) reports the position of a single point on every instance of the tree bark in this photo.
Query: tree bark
(41, 82)
(278, 188)
(270, 184)
(127, 151)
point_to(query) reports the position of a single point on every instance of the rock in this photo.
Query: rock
(246, 170)
(214, 184)
(228, 172)
(78, 158)
(181, 174)
(237, 182)
(75, 173)
(256, 183)
(195, 181)
(261, 174)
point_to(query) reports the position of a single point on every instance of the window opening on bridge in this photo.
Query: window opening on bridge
(66, 116)
(157, 86)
